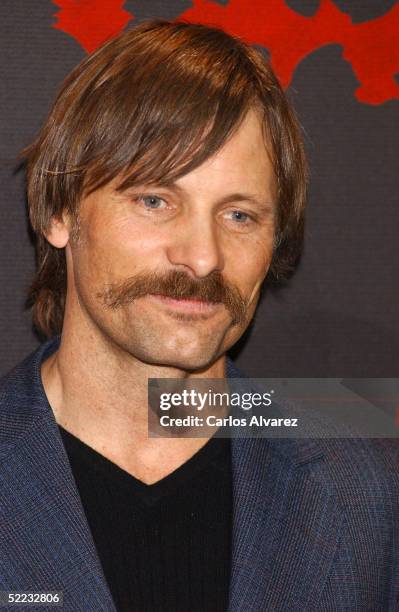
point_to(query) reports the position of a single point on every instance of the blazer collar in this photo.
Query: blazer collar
(281, 514)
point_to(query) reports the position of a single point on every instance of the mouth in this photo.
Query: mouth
(192, 305)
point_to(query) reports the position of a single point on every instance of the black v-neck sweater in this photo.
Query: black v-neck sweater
(163, 547)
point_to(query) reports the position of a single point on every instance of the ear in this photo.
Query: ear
(58, 232)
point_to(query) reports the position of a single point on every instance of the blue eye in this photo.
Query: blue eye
(151, 201)
(240, 216)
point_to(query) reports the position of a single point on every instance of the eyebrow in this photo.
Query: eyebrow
(246, 197)
(263, 206)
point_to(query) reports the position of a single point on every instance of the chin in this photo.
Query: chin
(185, 352)
(189, 361)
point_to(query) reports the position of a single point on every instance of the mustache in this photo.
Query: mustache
(177, 284)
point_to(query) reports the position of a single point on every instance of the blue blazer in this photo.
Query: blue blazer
(315, 522)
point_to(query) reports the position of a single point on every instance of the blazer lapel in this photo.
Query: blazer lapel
(45, 541)
(286, 527)
(286, 523)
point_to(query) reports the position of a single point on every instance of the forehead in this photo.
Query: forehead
(244, 159)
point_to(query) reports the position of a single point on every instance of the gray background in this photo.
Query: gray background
(339, 314)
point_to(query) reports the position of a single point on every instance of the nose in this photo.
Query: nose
(196, 244)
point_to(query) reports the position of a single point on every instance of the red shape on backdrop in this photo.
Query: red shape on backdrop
(370, 47)
(91, 22)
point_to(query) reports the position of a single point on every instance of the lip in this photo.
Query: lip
(186, 304)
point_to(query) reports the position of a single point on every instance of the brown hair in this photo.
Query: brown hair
(151, 105)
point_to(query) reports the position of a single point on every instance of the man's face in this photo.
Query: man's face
(209, 235)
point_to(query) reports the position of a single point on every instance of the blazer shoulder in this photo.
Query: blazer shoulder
(364, 475)
(363, 457)
(22, 397)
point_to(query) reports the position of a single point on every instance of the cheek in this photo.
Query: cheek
(116, 248)
(250, 264)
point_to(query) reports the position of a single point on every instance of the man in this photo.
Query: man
(167, 182)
